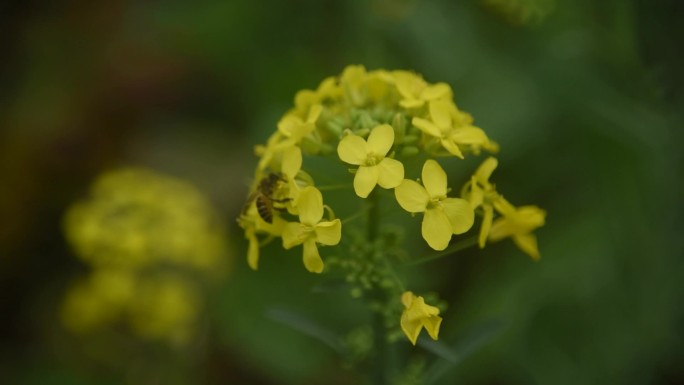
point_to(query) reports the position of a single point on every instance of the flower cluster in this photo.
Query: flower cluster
(145, 235)
(376, 124)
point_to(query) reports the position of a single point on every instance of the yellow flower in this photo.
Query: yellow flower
(253, 224)
(136, 217)
(418, 315)
(165, 307)
(328, 90)
(352, 81)
(450, 132)
(295, 128)
(518, 223)
(374, 167)
(99, 300)
(482, 193)
(442, 216)
(361, 88)
(291, 130)
(415, 91)
(310, 229)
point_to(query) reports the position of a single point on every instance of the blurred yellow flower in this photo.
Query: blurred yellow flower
(443, 216)
(518, 223)
(310, 229)
(374, 167)
(156, 306)
(136, 217)
(328, 91)
(415, 91)
(165, 307)
(445, 126)
(418, 315)
(97, 301)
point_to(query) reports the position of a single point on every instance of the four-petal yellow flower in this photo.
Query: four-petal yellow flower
(371, 157)
(417, 315)
(518, 223)
(443, 216)
(310, 229)
(448, 130)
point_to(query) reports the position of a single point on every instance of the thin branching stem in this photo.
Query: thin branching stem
(456, 247)
(331, 187)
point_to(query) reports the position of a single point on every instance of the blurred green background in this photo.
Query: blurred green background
(585, 98)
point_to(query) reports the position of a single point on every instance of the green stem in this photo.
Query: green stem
(380, 341)
(331, 187)
(373, 217)
(381, 351)
(456, 247)
(355, 216)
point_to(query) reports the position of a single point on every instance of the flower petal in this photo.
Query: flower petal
(391, 173)
(485, 170)
(469, 135)
(475, 195)
(436, 229)
(410, 327)
(440, 114)
(528, 244)
(460, 214)
(411, 103)
(288, 124)
(381, 139)
(502, 228)
(352, 149)
(407, 298)
(294, 233)
(434, 179)
(292, 161)
(253, 250)
(432, 324)
(411, 196)
(435, 91)
(452, 147)
(329, 233)
(427, 127)
(365, 180)
(486, 225)
(312, 260)
(504, 207)
(531, 216)
(310, 206)
(314, 113)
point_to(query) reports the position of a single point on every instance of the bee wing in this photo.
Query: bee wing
(250, 198)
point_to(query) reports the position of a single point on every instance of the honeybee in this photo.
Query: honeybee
(265, 198)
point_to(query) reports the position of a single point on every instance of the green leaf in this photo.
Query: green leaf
(307, 327)
(451, 356)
